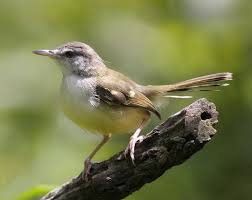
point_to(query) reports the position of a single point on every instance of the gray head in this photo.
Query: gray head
(75, 58)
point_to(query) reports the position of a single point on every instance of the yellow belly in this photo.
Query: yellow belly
(105, 119)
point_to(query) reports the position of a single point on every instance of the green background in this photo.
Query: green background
(153, 42)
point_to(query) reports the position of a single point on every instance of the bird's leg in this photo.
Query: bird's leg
(87, 162)
(133, 140)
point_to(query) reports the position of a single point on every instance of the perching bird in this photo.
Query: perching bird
(105, 101)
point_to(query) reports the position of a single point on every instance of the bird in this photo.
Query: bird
(102, 100)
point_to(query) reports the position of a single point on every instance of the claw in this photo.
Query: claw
(88, 163)
(131, 146)
(86, 171)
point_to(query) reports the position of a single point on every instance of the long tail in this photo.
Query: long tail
(202, 83)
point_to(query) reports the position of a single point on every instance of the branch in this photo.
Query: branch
(167, 145)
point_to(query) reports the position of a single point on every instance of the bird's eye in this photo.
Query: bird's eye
(69, 54)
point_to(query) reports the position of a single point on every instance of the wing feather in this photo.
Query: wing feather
(130, 98)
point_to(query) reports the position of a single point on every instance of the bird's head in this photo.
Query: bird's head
(75, 58)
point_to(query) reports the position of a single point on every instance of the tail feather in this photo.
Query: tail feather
(202, 83)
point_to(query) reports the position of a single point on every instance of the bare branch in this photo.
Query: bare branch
(167, 145)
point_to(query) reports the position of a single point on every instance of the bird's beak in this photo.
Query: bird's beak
(49, 53)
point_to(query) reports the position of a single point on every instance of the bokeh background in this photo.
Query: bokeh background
(153, 42)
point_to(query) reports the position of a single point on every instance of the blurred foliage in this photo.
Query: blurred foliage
(152, 41)
(36, 193)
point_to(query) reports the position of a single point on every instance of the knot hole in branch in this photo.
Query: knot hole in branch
(205, 115)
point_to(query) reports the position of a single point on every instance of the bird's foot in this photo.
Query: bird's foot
(131, 147)
(86, 171)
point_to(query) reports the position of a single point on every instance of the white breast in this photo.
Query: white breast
(78, 91)
(77, 99)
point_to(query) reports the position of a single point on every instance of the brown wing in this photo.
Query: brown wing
(121, 96)
(140, 100)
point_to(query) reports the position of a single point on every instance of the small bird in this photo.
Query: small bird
(105, 101)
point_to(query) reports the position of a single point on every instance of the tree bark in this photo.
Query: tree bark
(169, 144)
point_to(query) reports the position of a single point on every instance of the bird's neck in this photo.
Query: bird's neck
(84, 71)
